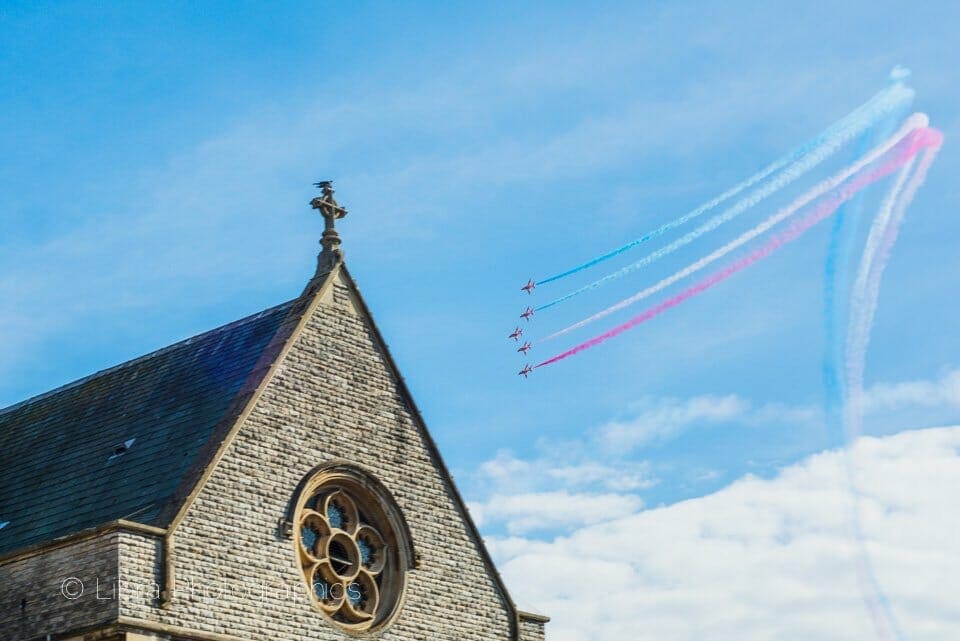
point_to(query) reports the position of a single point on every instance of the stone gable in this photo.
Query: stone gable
(215, 560)
(333, 396)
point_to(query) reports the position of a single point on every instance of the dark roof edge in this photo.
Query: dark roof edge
(435, 453)
(120, 525)
(209, 455)
(143, 357)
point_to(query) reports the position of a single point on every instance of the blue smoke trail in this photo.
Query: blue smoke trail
(909, 127)
(839, 251)
(791, 157)
(895, 98)
(863, 305)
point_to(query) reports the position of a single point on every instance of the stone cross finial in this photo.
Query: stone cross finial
(331, 211)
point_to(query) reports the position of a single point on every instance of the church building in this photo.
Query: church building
(268, 480)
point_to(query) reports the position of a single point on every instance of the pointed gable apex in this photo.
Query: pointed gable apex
(130, 442)
(335, 287)
(113, 445)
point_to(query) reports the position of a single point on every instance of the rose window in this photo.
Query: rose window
(347, 548)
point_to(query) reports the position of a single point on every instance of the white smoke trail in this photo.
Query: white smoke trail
(916, 121)
(863, 305)
(898, 97)
(897, 76)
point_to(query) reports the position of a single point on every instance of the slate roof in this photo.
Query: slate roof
(57, 476)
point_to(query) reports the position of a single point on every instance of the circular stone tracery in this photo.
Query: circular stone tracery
(348, 549)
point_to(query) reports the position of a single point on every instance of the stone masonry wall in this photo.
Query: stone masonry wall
(531, 630)
(332, 398)
(34, 590)
(141, 574)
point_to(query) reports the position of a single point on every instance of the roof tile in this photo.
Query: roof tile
(56, 474)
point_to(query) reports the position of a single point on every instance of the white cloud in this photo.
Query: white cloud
(944, 392)
(524, 513)
(564, 465)
(665, 418)
(623, 477)
(762, 559)
(657, 419)
(561, 490)
(602, 462)
(607, 468)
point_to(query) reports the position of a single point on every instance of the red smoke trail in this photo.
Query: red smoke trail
(899, 155)
(916, 121)
(864, 305)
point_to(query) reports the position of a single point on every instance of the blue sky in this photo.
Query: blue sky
(158, 161)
